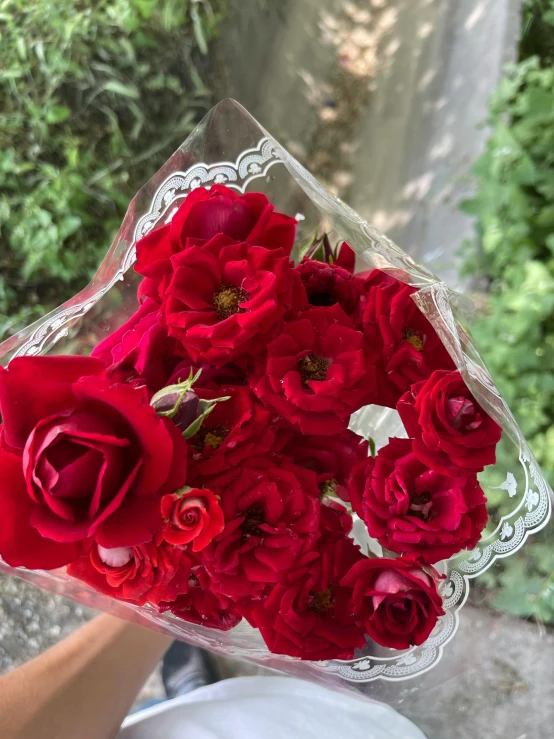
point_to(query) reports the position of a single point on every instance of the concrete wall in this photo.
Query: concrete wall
(384, 100)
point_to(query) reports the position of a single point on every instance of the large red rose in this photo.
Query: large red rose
(452, 433)
(94, 458)
(191, 515)
(226, 306)
(200, 605)
(316, 373)
(395, 600)
(309, 614)
(330, 457)
(235, 430)
(21, 545)
(208, 213)
(140, 350)
(330, 284)
(411, 509)
(140, 574)
(271, 517)
(410, 347)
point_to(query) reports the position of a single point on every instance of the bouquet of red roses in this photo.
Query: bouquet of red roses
(267, 430)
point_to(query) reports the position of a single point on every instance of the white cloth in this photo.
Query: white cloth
(268, 708)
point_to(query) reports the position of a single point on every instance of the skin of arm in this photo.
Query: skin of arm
(83, 687)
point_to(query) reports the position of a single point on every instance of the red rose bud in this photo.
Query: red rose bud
(328, 284)
(181, 404)
(395, 600)
(191, 515)
(452, 433)
(182, 409)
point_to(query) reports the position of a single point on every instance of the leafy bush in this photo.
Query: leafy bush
(95, 95)
(514, 210)
(514, 207)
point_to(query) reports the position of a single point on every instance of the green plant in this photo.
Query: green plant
(94, 97)
(514, 212)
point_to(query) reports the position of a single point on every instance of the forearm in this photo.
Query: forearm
(84, 686)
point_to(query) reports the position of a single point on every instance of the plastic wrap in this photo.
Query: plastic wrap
(230, 148)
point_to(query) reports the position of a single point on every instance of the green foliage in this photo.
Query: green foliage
(514, 211)
(94, 96)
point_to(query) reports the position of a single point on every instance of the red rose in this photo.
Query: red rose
(452, 432)
(225, 306)
(205, 214)
(395, 600)
(346, 258)
(191, 515)
(335, 521)
(140, 349)
(411, 509)
(309, 614)
(21, 545)
(410, 347)
(94, 455)
(330, 284)
(140, 574)
(330, 457)
(235, 430)
(271, 516)
(316, 374)
(200, 605)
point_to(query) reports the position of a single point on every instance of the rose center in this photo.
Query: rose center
(253, 519)
(413, 337)
(212, 436)
(401, 610)
(322, 299)
(312, 367)
(462, 415)
(227, 299)
(321, 602)
(329, 487)
(190, 517)
(420, 506)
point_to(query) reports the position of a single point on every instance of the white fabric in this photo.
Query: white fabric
(268, 708)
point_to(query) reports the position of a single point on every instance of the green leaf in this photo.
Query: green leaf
(548, 17)
(198, 30)
(57, 114)
(121, 89)
(206, 406)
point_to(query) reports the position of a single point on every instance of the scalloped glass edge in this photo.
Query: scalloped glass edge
(231, 148)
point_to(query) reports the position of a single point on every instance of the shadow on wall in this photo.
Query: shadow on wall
(383, 100)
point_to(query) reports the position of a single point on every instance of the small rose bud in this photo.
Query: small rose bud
(187, 407)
